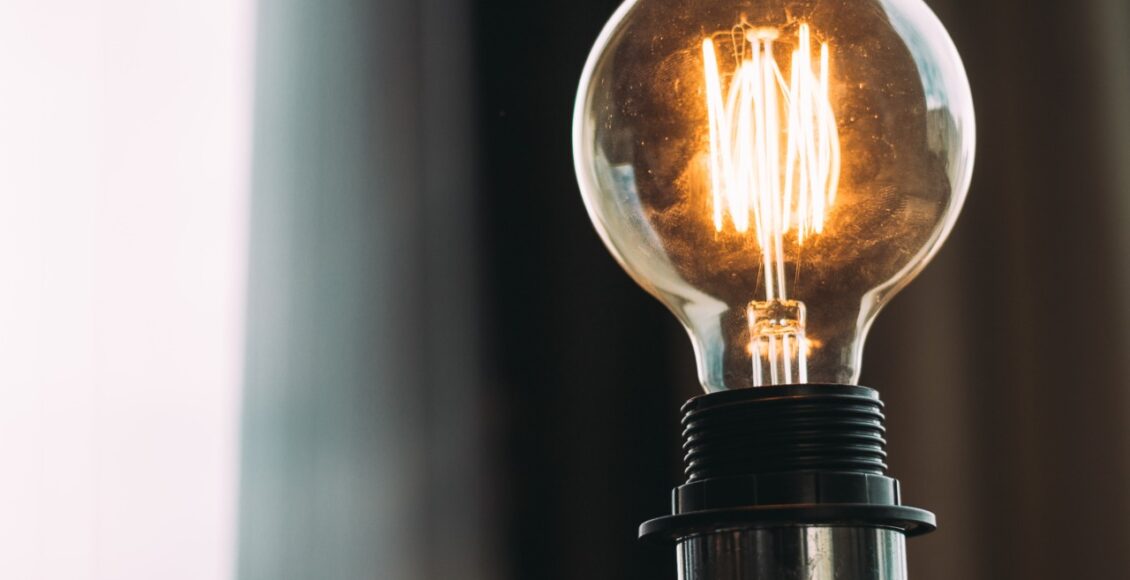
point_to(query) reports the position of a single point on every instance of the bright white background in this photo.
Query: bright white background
(124, 162)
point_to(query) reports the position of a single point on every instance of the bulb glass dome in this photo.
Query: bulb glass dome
(774, 171)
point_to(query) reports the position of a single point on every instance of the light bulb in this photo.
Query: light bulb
(774, 170)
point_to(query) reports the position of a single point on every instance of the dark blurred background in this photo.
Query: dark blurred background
(447, 375)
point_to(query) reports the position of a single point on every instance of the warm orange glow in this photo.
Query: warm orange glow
(762, 348)
(775, 165)
(774, 148)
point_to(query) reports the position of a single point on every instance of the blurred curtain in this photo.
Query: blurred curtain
(449, 377)
(1006, 367)
(362, 432)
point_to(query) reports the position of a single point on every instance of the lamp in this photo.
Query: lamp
(774, 171)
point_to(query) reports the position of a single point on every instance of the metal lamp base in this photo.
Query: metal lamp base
(794, 553)
(788, 483)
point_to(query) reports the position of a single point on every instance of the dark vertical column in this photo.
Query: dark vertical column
(362, 450)
(591, 371)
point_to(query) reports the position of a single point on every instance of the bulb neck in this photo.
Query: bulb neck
(786, 481)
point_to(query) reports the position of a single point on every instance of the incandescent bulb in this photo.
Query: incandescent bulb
(774, 170)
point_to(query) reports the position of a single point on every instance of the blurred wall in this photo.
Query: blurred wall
(124, 160)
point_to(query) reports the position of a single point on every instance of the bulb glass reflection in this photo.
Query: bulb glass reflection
(774, 171)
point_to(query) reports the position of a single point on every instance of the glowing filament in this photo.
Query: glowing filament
(775, 166)
(774, 149)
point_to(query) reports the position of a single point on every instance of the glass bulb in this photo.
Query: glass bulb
(774, 170)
